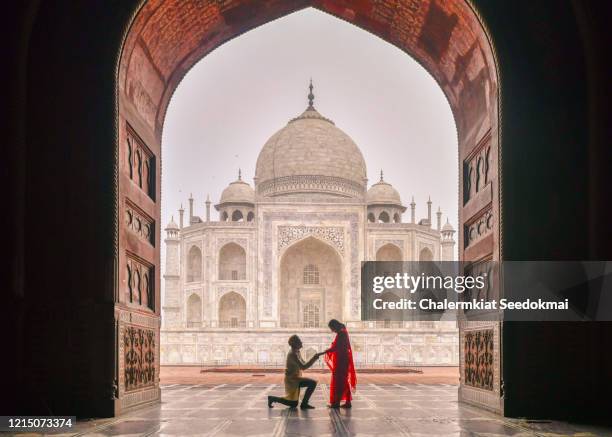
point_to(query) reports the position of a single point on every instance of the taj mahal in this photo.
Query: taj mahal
(284, 257)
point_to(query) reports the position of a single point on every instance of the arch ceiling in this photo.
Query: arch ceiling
(168, 37)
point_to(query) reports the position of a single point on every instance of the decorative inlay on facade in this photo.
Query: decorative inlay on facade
(381, 243)
(141, 163)
(477, 170)
(139, 357)
(308, 183)
(242, 242)
(139, 223)
(479, 358)
(139, 284)
(331, 235)
(479, 228)
(240, 290)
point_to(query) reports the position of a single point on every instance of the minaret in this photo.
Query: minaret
(439, 221)
(172, 305)
(181, 214)
(207, 208)
(448, 242)
(429, 211)
(412, 211)
(190, 209)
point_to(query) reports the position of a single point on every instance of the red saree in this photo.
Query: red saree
(339, 359)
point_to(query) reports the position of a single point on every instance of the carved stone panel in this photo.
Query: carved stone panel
(140, 282)
(140, 163)
(139, 223)
(479, 227)
(479, 366)
(477, 170)
(139, 357)
(329, 234)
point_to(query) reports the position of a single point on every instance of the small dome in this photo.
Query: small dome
(238, 192)
(172, 225)
(448, 227)
(383, 193)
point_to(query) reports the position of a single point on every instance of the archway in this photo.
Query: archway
(232, 263)
(383, 217)
(237, 216)
(448, 39)
(232, 311)
(311, 289)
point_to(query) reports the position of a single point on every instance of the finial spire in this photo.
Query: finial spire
(310, 95)
(239, 174)
(381, 175)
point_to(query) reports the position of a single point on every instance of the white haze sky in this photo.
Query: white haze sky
(235, 98)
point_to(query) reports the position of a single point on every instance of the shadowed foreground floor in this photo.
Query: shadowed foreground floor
(378, 410)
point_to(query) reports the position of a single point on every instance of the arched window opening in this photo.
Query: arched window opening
(383, 217)
(371, 218)
(237, 216)
(232, 263)
(250, 216)
(224, 216)
(310, 316)
(311, 274)
(397, 218)
(194, 265)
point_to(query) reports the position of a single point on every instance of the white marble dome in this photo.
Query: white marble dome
(238, 192)
(311, 154)
(383, 193)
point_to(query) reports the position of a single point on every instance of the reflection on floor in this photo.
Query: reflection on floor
(378, 410)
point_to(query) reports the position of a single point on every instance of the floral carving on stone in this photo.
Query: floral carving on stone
(332, 235)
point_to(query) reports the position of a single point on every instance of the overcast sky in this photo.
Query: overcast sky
(235, 98)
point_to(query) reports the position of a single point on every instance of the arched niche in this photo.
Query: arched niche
(426, 254)
(389, 252)
(232, 311)
(193, 311)
(232, 263)
(194, 264)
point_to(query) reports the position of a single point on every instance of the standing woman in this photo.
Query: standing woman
(339, 359)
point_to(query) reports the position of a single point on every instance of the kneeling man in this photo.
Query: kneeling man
(294, 379)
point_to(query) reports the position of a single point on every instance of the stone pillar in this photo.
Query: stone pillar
(412, 211)
(207, 209)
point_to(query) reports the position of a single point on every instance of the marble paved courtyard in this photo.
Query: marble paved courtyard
(378, 410)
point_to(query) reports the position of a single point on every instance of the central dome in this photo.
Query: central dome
(311, 155)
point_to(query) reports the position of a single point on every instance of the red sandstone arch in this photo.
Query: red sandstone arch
(167, 37)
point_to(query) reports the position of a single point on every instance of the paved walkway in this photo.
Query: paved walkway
(378, 410)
